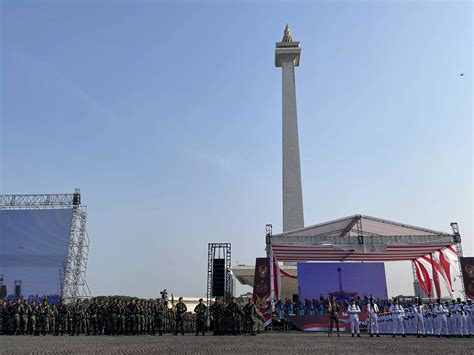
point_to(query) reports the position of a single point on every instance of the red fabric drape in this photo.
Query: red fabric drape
(424, 281)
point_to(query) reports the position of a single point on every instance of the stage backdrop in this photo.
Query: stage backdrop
(33, 249)
(343, 280)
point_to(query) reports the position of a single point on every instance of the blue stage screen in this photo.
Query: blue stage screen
(343, 280)
(33, 250)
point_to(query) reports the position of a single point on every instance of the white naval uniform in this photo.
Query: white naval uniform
(470, 318)
(354, 311)
(419, 318)
(441, 319)
(373, 318)
(397, 316)
(464, 314)
(455, 319)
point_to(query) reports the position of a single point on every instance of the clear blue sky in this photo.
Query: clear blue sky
(168, 117)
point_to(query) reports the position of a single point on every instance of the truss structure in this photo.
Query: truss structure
(219, 251)
(362, 238)
(73, 282)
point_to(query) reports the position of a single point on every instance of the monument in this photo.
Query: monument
(287, 57)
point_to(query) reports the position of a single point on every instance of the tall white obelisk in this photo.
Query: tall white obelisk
(287, 57)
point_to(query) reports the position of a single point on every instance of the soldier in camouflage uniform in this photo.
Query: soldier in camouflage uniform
(76, 318)
(34, 318)
(63, 313)
(15, 317)
(120, 318)
(217, 310)
(53, 322)
(3, 311)
(201, 317)
(25, 313)
(93, 311)
(158, 316)
(133, 311)
(44, 317)
(234, 313)
(180, 309)
(86, 329)
(250, 313)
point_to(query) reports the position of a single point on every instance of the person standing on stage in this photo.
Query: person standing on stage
(373, 311)
(333, 310)
(398, 313)
(354, 311)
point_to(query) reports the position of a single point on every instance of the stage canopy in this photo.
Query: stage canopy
(358, 238)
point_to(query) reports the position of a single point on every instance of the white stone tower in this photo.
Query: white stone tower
(287, 57)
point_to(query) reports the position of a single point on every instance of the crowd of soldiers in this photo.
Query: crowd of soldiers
(132, 317)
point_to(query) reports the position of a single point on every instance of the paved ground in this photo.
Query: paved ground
(289, 343)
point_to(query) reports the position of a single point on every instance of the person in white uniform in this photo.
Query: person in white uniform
(441, 319)
(454, 319)
(419, 310)
(373, 311)
(464, 317)
(398, 314)
(354, 311)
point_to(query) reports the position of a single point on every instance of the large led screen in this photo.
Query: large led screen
(33, 250)
(342, 280)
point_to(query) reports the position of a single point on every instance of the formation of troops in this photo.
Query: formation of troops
(140, 317)
(133, 317)
(449, 319)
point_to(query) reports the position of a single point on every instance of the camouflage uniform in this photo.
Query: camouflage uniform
(217, 313)
(201, 317)
(250, 313)
(53, 322)
(158, 317)
(234, 313)
(25, 313)
(63, 313)
(76, 318)
(15, 317)
(121, 317)
(3, 311)
(181, 309)
(133, 309)
(44, 318)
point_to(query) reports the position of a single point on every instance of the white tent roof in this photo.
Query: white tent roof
(358, 237)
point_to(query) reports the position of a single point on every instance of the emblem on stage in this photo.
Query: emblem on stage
(262, 271)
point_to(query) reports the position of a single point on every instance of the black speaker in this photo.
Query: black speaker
(218, 278)
(76, 199)
(296, 298)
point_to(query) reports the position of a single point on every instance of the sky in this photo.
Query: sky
(167, 116)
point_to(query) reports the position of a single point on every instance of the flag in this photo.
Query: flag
(435, 276)
(276, 279)
(446, 268)
(423, 277)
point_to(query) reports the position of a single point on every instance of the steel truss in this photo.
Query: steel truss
(219, 251)
(74, 284)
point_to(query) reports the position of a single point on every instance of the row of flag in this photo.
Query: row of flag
(441, 265)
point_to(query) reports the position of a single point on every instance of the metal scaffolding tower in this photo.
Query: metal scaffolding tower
(218, 251)
(73, 281)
